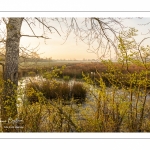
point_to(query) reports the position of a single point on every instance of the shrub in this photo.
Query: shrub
(66, 78)
(31, 92)
(32, 73)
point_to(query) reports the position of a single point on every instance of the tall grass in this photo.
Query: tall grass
(53, 90)
(74, 71)
(118, 108)
(107, 110)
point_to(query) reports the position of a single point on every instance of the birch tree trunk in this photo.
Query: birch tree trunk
(8, 104)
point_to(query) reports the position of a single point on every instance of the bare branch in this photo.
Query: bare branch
(103, 30)
(48, 27)
(36, 36)
(30, 27)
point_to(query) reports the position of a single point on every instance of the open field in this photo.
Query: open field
(51, 63)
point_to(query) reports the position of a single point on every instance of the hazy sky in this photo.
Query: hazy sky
(55, 48)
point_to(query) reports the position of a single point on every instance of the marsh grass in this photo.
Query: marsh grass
(107, 109)
(121, 107)
(117, 108)
(53, 90)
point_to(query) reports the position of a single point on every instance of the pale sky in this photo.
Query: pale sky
(55, 48)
